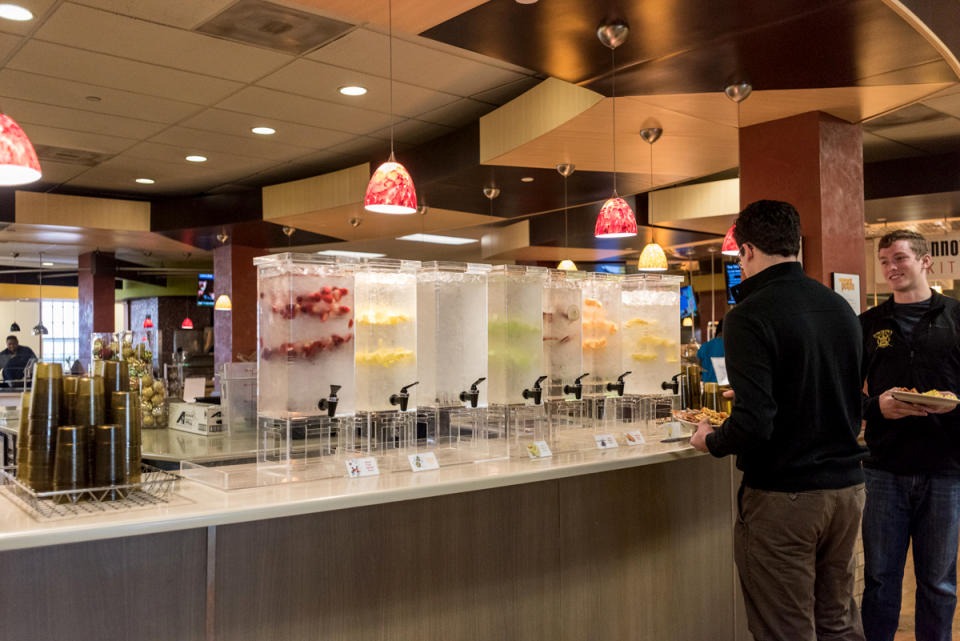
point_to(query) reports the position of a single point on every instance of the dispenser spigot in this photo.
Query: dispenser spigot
(619, 385)
(330, 403)
(577, 388)
(673, 385)
(537, 392)
(403, 397)
(473, 395)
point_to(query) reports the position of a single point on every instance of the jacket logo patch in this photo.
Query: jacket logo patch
(883, 338)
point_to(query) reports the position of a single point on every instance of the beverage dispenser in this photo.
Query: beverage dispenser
(601, 344)
(562, 338)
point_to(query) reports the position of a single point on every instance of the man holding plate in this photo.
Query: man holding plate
(913, 471)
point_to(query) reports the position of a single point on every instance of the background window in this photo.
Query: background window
(62, 344)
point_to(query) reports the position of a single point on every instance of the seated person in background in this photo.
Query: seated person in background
(713, 348)
(14, 359)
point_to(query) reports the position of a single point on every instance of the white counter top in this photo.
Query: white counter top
(196, 505)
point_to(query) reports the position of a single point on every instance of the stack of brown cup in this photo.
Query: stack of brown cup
(108, 460)
(126, 413)
(89, 411)
(70, 464)
(22, 437)
(116, 378)
(69, 400)
(45, 399)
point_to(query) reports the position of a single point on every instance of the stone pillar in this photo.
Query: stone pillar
(96, 278)
(815, 162)
(235, 332)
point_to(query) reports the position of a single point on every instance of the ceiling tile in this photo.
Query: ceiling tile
(8, 43)
(508, 91)
(58, 172)
(56, 137)
(117, 73)
(317, 113)
(249, 145)
(235, 123)
(120, 36)
(413, 132)
(321, 81)
(314, 164)
(185, 14)
(457, 114)
(79, 120)
(946, 103)
(176, 154)
(65, 93)
(37, 7)
(367, 51)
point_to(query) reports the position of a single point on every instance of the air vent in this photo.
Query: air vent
(71, 156)
(265, 24)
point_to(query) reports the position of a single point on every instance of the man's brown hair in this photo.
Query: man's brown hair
(917, 242)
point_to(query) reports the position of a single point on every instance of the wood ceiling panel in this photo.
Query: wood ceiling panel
(249, 144)
(185, 14)
(325, 80)
(366, 50)
(306, 111)
(409, 16)
(79, 120)
(117, 73)
(37, 7)
(66, 93)
(90, 239)
(84, 28)
(289, 133)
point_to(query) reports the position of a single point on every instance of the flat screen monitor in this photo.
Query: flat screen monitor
(205, 297)
(611, 268)
(734, 276)
(688, 302)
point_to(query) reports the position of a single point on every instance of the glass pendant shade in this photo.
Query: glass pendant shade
(616, 220)
(567, 265)
(148, 322)
(390, 190)
(223, 303)
(18, 160)
(652, 259)
(186, 324)
(40, 330)
(729, 247)
(14, 326)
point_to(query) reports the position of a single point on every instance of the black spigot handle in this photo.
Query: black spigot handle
(403, 390)
(473, 386)
(620, 378)
(581, 377)
(334, 389)
(539, 380)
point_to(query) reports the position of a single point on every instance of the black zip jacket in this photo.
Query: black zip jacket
(793, 352)
(929, 360)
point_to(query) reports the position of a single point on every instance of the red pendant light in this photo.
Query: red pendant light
(390, 190)
(18, 160)
(729, 247)
(616, 220)
(186, 324)
(148, 322)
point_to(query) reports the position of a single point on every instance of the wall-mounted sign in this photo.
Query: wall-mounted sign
(848, 286)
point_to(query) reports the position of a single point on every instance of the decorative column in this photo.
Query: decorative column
(815, 162)
(235, 331)
(96, 281)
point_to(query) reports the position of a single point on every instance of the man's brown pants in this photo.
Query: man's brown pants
(794, 553)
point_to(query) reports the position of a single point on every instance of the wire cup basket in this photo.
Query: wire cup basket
(155, 487)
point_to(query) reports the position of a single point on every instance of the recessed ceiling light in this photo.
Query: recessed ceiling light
(526, 1)
(527, 179)
(15, 12)
(197, 158)
(349, 254)
(353, 90)
(94, 98)
(439, 240)
(146, 181)
(264, 131)
(47, 264)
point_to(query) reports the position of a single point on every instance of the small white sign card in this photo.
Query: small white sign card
(634, 437)
(366, 466)
(605, 441)
(425, 461)
(720, 369)
(539, 449)
(193, 387)
(848, 286)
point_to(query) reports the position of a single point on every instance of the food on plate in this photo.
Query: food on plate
(695, 416)
(933, 392)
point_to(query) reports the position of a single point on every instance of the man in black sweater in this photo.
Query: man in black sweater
(913, 471)
(793, 350)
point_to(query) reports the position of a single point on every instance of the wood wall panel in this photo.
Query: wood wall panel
(143, 588)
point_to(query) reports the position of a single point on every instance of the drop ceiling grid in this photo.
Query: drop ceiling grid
(27, 112)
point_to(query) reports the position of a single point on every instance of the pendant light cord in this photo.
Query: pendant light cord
(566, 238)
(613, 67)
(390, 54)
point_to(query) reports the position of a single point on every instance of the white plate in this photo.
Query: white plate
(921, 399)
